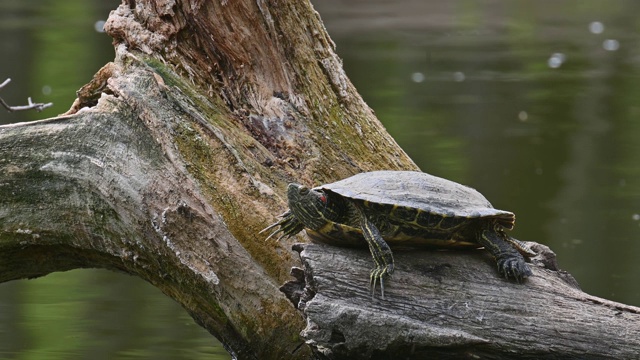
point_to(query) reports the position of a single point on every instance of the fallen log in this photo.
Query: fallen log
(453, 305)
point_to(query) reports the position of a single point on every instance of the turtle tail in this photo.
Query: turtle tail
(521, 246)
(289, 226)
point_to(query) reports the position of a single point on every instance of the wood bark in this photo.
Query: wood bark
(178, 152)
(453, 305)
(175, 155)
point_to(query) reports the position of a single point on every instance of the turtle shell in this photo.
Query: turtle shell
(410, 194)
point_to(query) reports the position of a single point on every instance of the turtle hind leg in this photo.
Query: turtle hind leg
(511, 263)
(380, 251)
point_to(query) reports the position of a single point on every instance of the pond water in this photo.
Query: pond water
(97, 314)
(533, 103)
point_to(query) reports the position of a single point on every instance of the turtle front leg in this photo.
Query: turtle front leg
(380, 251)
(288, 226)
(511, 263)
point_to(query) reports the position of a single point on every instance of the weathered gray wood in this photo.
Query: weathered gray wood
(453, 304)
(108, 188)
(176, 154)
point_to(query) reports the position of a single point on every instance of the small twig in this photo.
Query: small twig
(31, 105)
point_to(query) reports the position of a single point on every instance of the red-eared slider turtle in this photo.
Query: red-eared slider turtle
(405, 208)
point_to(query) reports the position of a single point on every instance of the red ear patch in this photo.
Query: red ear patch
(323, 198)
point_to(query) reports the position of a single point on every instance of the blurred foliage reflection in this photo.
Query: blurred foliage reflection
(534, 103)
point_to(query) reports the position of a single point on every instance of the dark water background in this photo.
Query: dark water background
(534, 103)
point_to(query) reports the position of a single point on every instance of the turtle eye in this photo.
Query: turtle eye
(303, 190)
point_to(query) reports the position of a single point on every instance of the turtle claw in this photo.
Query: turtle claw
(514, 268)
(378, 274)
(288, 226)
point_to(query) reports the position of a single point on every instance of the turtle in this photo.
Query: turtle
(402, 208)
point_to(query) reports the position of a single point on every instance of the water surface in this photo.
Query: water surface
(534, 103)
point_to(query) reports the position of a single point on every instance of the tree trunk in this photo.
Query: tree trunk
(177, 153)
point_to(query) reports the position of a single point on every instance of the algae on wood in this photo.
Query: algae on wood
(179, 151)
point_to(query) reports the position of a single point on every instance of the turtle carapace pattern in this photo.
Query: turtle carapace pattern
(402, 208)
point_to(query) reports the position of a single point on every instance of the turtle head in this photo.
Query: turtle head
(307, 205)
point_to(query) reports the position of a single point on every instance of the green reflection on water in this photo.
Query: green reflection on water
(558, 146)
(66, 57)
(99, 315)
(50, 49)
